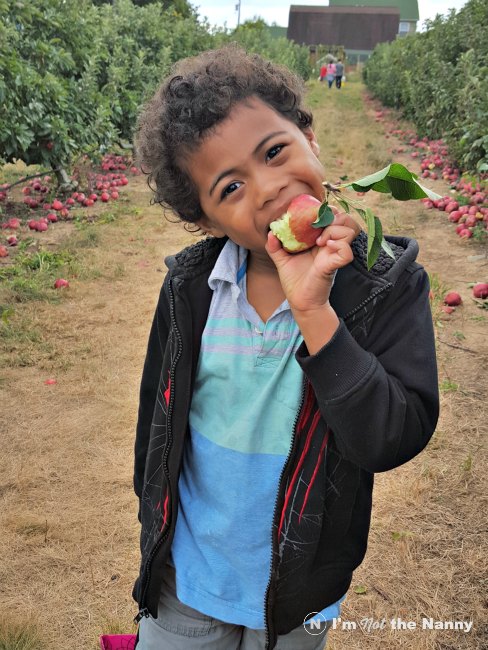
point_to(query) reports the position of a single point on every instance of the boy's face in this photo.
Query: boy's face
(248, 170)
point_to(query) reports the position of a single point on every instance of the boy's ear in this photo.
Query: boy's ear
(211, 229)
(310, 135)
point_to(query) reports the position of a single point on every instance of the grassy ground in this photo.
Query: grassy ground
(68, 525)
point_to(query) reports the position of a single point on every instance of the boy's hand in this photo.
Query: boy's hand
(307, 277)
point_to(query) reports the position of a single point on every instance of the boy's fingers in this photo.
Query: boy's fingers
(344, 219)
(340, 253)
(336, 232)
(275, 250)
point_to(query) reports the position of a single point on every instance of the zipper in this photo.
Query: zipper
(143, 611)
(267, 606)
(362, 304)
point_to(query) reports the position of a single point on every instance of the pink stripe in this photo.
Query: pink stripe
(315, 421)
(165, 511)
(324, 443)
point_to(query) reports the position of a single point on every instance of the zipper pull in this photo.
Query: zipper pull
(144, 612)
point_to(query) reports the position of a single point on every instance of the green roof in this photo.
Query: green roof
(277, 32)
(409, 9)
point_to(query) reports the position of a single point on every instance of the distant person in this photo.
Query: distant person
(323, 73)
(339, 73)
(330, 73)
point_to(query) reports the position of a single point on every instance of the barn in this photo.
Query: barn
(357, 28)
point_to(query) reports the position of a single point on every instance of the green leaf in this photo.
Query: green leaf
(325, 216)
(386, 247)
(344, 205)
(360, 589)
(361, 212)
(395, 179)
(433, 196)
(375, 237)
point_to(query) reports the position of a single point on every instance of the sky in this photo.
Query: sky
(220, 12)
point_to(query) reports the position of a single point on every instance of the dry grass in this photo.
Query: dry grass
(69, 533)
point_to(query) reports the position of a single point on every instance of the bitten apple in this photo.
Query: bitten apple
(294, 228)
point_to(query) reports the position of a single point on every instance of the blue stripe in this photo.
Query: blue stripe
(241, 272)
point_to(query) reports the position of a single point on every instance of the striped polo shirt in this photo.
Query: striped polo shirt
(244, 405)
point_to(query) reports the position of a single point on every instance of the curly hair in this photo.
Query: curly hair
(192, 101)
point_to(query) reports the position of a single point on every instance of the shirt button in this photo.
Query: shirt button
(257, 330)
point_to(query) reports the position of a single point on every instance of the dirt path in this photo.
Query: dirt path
(69, 535)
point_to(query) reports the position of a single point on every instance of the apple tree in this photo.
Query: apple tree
(50, 102)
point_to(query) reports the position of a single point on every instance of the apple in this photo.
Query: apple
(3, 251)
(12, 223)
(61, 283)
(294, 228)
(455, 216)
(57, 205)
(12, 240)
(453, 299)
(480, 290)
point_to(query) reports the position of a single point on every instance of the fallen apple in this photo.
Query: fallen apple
(480, 290)
(294, 228)
(61, 283)
(452, 299)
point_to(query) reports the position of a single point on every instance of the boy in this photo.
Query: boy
(274, 385)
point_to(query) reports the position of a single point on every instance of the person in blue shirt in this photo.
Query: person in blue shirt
(274, 385)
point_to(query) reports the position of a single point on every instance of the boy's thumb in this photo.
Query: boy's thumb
(275, 250)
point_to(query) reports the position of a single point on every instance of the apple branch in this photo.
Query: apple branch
(395, 179)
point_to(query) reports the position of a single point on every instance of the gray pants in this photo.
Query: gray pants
(179, 627)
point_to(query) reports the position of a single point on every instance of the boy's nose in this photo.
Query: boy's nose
(268, 191)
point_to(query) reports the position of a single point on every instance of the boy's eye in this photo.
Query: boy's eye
(274, 151)
(230, 188)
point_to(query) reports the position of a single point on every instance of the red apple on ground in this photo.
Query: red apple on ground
(3, 251)
(61, 283)
(452, 299)
(480, 290)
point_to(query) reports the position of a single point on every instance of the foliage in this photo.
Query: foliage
(50, 102)
(136, 48)
(255, 36)
(75, 73)
(439, 79)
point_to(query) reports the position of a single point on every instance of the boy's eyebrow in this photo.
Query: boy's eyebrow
(227, 172)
